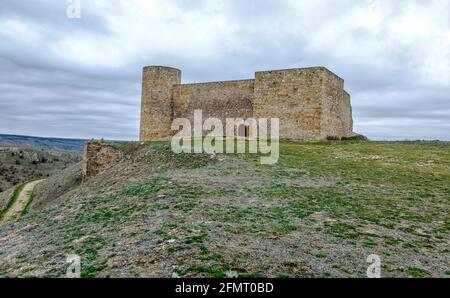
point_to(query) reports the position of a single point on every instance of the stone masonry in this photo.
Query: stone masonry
(310, 102)
(98, 156)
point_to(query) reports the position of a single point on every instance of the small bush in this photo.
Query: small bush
(131, 147)
(356, 137)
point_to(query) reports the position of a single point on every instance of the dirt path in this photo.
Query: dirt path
(19, 205)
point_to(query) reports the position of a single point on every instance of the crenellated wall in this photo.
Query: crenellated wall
(310, 102)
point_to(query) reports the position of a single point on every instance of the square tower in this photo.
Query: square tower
(310, 103)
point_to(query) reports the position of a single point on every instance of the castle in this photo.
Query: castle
(311, 103)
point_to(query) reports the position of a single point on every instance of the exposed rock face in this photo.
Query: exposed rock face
(310, 102)
(98, 156)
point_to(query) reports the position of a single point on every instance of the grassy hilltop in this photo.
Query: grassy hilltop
(319, 212)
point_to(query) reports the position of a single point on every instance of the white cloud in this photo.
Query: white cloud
(91, 50)
(19, 30)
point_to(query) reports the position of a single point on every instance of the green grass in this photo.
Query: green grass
(417, 272)
(369, 182)
(217, 270)
(321, 255)
(92, 270)
(377, 197)
(354, 184)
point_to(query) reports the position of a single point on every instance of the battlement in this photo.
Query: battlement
(311, 102)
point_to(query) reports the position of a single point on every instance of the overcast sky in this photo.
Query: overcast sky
(67, 77)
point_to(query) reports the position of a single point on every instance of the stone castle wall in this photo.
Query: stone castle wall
(310, 102)
(335, 118)
(157, 104)
(347, 115)
(232, 99)
(293, 96)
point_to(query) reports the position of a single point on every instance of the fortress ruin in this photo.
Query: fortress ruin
(311, 103)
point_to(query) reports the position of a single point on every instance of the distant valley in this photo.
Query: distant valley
(24, 158)
(41, 142)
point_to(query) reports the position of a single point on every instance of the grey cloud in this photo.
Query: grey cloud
(52, 14)
(43, 93)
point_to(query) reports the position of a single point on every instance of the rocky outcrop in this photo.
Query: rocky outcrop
(98, 156)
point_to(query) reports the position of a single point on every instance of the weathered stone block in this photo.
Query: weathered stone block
(97, 157)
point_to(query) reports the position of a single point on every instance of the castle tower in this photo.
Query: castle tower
(157, 105)
(310, 102)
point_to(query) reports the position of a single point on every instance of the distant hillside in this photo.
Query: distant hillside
(20, 163)
(49, 143)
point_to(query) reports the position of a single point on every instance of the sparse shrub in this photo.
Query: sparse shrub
(417, 272)
(130, 148)
(355, 137)
(17, 162)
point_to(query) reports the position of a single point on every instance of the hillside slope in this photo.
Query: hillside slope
(20, 164)
(320, 211)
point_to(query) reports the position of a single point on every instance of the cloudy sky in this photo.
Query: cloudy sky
(67, 77)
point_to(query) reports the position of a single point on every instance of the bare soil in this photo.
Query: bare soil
(20, 203)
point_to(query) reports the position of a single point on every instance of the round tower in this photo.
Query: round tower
(156, 103)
